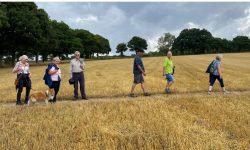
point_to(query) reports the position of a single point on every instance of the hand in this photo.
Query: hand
(144, 73)
(163, 74)
(221, 76)
(19, 69)
(29, 75)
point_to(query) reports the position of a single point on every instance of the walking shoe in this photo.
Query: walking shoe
(146, 94)
(167, 90)
(19, 103)
(84, 98)
(51, 101)
(225, 92)
(75, 99)
(209, 92)
(132, 95)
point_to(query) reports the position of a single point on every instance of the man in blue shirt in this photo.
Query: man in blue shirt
(139, 72)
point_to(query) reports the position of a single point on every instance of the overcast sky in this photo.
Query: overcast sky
(119, 22)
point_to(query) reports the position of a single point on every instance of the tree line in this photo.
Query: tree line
(189, 42)
(25, 29)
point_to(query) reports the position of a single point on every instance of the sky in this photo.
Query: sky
(119, 22)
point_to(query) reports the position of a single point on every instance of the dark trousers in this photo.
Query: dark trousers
(212, 79)
(23, 81)
(56, 86)
(79, 77)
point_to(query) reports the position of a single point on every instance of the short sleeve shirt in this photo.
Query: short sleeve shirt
(57, 76)
(168, 64)
(138, 61)
(216, 65)
(22, 68)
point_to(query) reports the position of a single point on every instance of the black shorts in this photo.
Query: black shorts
(138, 78)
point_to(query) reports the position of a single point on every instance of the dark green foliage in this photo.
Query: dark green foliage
(137, 43)
(25, 29)
(121, 48)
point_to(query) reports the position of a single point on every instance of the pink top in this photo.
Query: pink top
(57, 75)
(22, 68)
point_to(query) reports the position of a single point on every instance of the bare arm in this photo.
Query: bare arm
(51, 72)
(220, 71)
(141, 70)
(15, 69)
(70, 69)
(164, 68)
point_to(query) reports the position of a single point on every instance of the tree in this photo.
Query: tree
(165, 43)
(87, 40)
(137, 43)
(60, 38)
(3, 18)
(102, 45)
(241, 44)
(121, 48)
(3, 24)
(23, 31)
(41, 38)
(193, 41)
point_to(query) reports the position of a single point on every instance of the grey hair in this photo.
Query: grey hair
(77, 52)
(56, 59)
(218, 57)
(23, 57)
(169, 52)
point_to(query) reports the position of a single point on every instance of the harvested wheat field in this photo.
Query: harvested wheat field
(186, 119)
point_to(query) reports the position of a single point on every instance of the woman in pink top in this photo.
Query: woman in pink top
(23, 78)
(55, 73)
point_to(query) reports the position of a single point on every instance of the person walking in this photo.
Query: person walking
(139, 72)
(216, 74)
(23, 78)
(77, 67)
(168, 70)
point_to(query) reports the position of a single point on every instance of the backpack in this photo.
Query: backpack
(210, 68)
(47, 76)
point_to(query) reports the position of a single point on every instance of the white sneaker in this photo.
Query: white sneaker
(225, 92)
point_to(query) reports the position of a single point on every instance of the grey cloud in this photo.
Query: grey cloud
(120, 21)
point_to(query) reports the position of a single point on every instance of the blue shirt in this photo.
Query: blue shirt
(216, 65)
(138, 61)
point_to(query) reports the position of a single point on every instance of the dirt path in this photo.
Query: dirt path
(152, 97)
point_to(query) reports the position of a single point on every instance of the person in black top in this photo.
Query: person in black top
(139, 72)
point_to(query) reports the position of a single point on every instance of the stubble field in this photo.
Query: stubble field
(186, 119)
